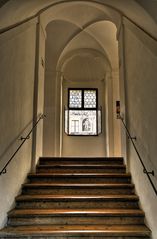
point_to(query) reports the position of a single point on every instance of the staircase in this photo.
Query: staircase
(77, 198)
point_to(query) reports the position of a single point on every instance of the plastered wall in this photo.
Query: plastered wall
(141, 109)
(84, 72)
(39, 88)
(50, 111)
(17, 63)
(85, 145)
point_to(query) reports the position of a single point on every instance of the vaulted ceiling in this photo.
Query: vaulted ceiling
(80, 29)
(142, 12)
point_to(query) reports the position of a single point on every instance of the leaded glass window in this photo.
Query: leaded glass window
(82, 115)
(75, 99)
(89, 98)
(83, 98)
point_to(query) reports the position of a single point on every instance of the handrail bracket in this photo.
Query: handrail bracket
(24, 138)
(150, 172)
(3, 171)
(134, 138)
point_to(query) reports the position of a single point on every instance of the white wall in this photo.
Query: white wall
(64, 42)
(58, 34)
(17, 62)
(141, 107)
(40, 76)
(84, 71)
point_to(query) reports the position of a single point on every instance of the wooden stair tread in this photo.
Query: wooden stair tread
(106, 185)
(50, 206)
(108, 175)
(82, 165)
(81, 158)
(76, 212)
(76, 197)
(75, 229)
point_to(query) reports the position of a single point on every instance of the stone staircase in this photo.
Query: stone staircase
(77, 198)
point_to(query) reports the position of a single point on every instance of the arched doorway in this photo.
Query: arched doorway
(81, 57)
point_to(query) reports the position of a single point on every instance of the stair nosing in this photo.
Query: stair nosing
(123, 175)
(68, 229)
(81, 158)
(79, 185)
(83, 165)
(77, 212)
(74, 197)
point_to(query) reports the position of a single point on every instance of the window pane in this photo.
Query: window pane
(90, 99)
(75, 126)
(82, 122)
(75, 98)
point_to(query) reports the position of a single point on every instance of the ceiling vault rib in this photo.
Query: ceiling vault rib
(64, 1)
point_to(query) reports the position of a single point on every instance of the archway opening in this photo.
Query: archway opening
(81, 57)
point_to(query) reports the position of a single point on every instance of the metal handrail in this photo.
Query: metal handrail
(3, 171)
(138, 154)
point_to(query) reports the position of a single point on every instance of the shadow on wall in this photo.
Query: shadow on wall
(14, 143)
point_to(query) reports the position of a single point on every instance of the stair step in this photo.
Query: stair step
(78, 197)
(77, 201)
(81, 160)
(79, 188)
(76, 216)
(73, 197)
(76, 212)
(81, 165)
(81, 168)
(81, 231)
(80, 177)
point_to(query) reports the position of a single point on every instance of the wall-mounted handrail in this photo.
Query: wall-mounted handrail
(138, 154)
(3, 171)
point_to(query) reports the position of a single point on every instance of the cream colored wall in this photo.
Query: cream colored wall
(50, 111)
(84, 72)
(141, 102)
(17, 62)
(63, 45)
(59, 33)
(122, 72)
(40, 75)
(116, 123)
